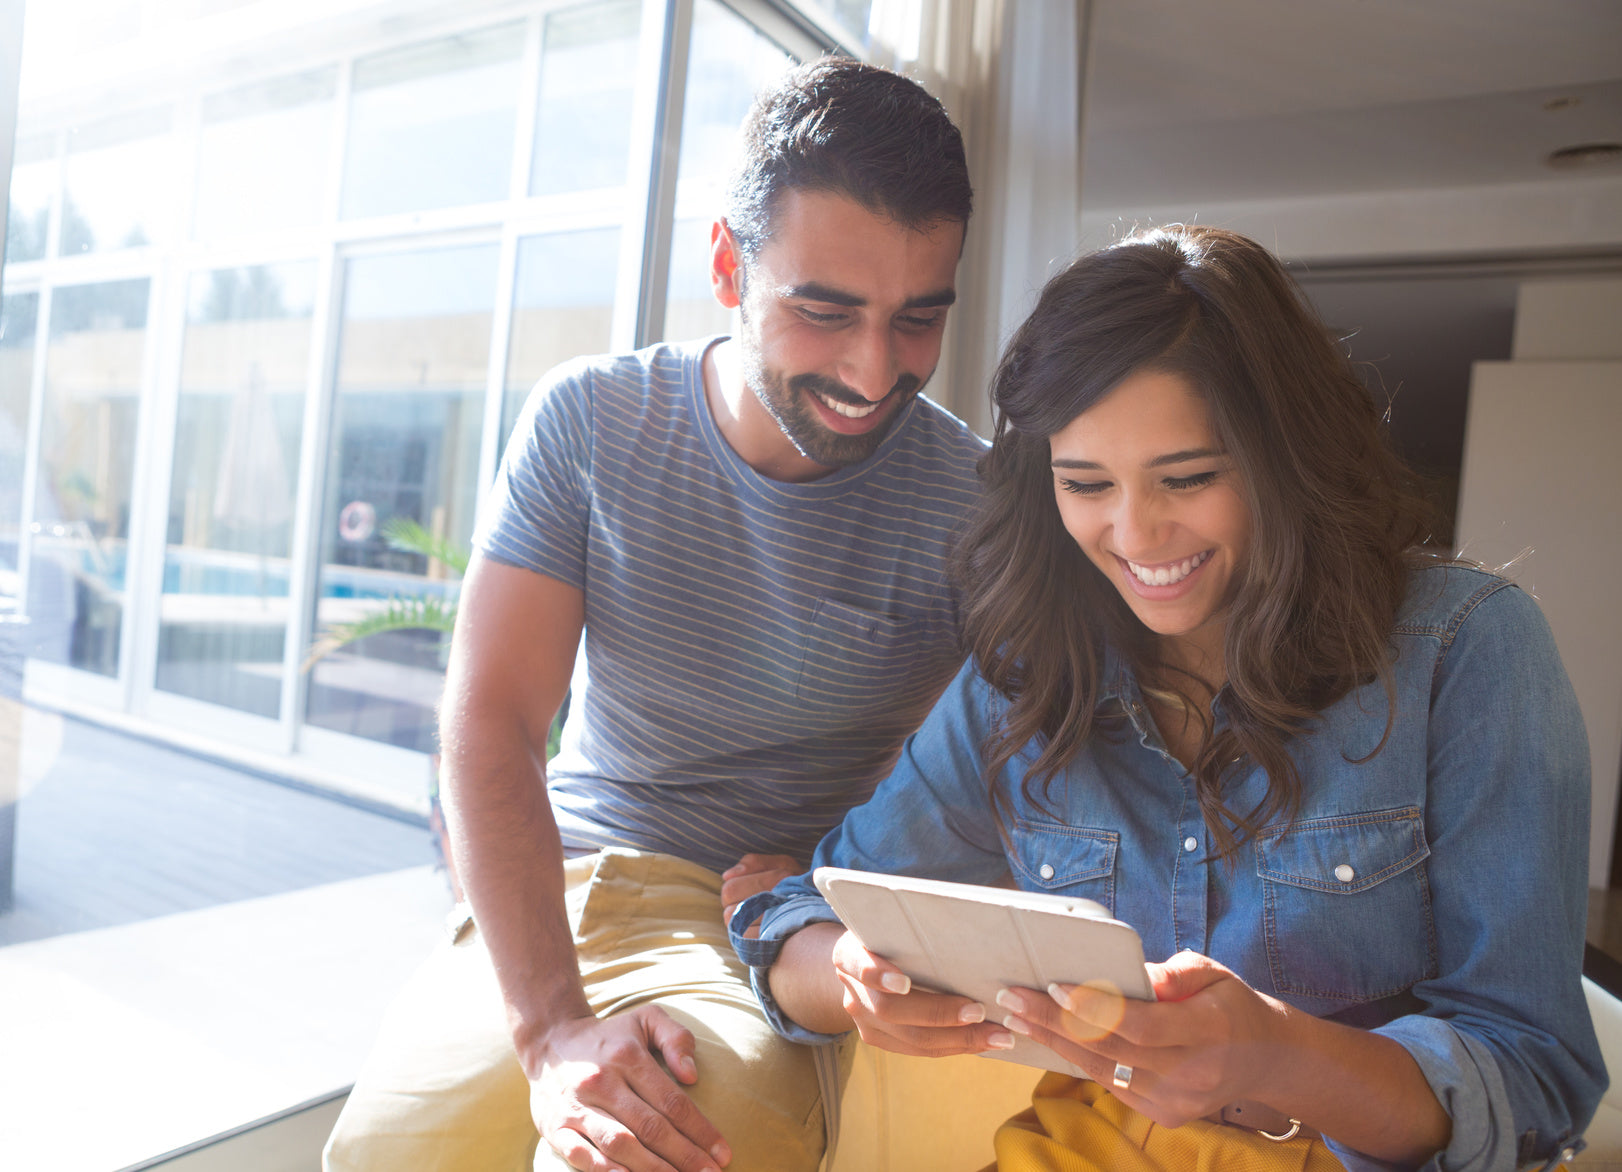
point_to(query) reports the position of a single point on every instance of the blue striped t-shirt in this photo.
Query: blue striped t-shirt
(755, 651)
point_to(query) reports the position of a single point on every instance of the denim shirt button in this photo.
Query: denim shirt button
(1345, 873)
(1045, 870)
(1191, 843)
(1567, 1155)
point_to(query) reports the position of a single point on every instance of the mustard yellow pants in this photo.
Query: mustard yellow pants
(1078, 1126)
(443, 1091)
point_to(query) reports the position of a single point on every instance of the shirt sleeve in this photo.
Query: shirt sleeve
(1505, 1041)
(538, 512)
(930, 819)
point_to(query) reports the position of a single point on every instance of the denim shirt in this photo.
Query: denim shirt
(1434, 892)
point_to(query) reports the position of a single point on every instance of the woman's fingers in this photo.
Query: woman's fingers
(890, 1012)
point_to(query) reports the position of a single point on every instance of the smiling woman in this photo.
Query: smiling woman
(1217, 686)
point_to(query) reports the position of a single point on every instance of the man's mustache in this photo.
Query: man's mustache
(834, 389)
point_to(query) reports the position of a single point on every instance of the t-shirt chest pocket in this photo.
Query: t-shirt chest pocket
(852, 658)
(1347, 906)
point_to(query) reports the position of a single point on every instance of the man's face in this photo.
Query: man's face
(842, 314)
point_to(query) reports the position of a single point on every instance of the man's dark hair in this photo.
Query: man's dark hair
(841, 126)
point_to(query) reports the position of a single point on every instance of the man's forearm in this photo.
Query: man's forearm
(506, 844)
(803, 981)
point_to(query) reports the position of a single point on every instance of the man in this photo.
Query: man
(750, 533)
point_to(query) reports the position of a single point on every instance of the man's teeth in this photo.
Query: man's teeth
(1168, 575)
(848, 411)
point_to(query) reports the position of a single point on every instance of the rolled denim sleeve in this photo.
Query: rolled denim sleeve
(931, 818)
(1505, 1041)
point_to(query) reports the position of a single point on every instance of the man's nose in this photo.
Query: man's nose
(869, 364)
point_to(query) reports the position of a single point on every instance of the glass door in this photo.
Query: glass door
(223, 611)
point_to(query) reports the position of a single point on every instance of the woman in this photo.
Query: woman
(1340, 788)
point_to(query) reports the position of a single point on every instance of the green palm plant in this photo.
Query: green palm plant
(409, 612)
(413, 612)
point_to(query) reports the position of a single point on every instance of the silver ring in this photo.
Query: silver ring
(1123, 1075)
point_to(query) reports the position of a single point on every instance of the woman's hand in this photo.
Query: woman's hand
(1209, 1040)
(892, 1015)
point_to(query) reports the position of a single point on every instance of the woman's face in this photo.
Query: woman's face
(1146, 491)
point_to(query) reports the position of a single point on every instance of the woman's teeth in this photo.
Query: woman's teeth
(847, 410)
(1167, 575)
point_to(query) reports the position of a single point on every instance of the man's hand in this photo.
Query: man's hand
(604, 1104)
(751, 875)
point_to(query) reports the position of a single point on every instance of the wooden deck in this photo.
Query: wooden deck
(118, 829)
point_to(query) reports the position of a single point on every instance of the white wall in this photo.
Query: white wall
(1558, 215)
(1542, 478)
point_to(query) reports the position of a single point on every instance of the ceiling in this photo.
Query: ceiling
(1237, 99)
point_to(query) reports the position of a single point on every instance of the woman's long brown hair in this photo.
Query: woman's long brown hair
(1335, 514)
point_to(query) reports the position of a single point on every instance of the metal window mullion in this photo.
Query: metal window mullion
(644, 268)
(495, 388)
(304, 561)
(140, 542)
(798, 28)
(156, 413)
(529, 98)
(29, 524)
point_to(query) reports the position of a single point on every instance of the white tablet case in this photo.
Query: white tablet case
(973, 941)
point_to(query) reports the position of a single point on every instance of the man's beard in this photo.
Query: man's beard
(786, 402)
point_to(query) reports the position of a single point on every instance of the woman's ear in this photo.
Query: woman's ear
(726, 274)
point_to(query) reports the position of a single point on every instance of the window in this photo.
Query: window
(257, 305)
(413, 359)
(729, 61)
(262, 157)
(18, 313)
(431, 125)
(121, 183)
(562, 301)
(33, 182)
(93, 375)
(583, 119)
(223, 616)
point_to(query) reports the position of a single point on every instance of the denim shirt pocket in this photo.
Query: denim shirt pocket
(852, 659)
(1072, 860)
(1347, 907)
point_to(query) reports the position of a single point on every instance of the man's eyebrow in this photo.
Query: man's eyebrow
(816, 291)
(1158, 462)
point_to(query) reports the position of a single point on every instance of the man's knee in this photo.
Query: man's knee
(442, 1088)
(760, 1091)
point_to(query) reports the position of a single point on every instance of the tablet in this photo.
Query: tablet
(973, 941)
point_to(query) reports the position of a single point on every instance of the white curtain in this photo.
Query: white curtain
(1009, 71)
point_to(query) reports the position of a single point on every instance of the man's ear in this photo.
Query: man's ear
(726, 273)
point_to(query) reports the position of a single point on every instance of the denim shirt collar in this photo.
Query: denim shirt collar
(1119, 691)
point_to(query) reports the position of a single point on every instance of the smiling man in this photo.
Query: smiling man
(744, 539)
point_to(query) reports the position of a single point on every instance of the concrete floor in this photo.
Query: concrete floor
(191, 949)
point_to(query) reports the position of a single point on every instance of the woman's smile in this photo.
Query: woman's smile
(1166, 574)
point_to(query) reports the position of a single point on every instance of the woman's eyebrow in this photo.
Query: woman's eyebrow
(1158, 462)
(1184, 456)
